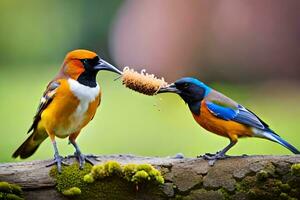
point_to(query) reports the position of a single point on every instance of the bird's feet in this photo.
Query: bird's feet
(84, 158)
(58, 160)
(212, 158)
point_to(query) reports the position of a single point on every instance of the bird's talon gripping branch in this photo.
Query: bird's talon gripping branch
(88, 159)
(215, 157)
(80, 157)
(210, 154)
(58, 161)
(91, 156)
(212, 158)
(212, 162)
(83, 158)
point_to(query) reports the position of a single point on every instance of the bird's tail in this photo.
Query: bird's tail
(270, 135)
(30, 145)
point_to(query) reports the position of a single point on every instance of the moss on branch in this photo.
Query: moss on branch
(252, 177)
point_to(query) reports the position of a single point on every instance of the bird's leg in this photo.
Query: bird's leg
(81, 157)
(58, 160)
(219, 155)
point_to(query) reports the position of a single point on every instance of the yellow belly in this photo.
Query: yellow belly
(67, 114)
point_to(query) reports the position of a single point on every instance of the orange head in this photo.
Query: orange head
(83, 66)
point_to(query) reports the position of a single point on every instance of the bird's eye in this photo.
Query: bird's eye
(185, 85)
(84, 61)
(90, 62)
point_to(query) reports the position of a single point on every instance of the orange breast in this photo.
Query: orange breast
(63, 115)
(229, 129)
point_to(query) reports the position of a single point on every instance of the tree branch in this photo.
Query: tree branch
(187, 178)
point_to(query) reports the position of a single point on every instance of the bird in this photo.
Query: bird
(221, 115)
(68, 104)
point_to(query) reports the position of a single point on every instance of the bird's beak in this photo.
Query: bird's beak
(103, 65)
(170, 88)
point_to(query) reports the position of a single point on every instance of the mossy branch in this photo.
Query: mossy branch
(253, 177)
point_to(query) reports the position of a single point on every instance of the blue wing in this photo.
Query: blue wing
(227, 109)
(221, 111)
(235, 113)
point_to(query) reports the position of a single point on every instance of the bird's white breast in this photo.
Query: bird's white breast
(85, 95)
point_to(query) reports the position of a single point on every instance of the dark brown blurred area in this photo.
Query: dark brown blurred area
(235, 41)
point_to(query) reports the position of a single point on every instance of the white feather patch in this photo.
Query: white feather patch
(264, 134)
(85, 95)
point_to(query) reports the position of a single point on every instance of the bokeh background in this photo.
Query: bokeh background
(249, 50)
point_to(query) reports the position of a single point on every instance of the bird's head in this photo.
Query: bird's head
(83, 66)
(190, 89)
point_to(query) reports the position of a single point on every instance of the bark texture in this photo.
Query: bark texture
(252, 177)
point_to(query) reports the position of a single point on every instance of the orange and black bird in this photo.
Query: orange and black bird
(68, 104)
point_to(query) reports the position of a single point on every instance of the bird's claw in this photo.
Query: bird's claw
(84, 158)
(215, 156)
(212, 158)
(58, 161)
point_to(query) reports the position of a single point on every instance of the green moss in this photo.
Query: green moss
(238, 187)
(226, 195)
(295, 168)
(88, 178)
(13, 197)
(146, 167)
(71, 176)
(262, 175)
(109, 168)
(270, 169)
(5, 187)
(178, 197)
(140, 177)
(154, 172)
(255, 193)
(99, 172)
(262, 186)
(10, 191)
(247, 183)
(73, 191)
(113, 168)
(160, 180)
(16, 189)
(96, 181)
(284, 196)
(285, 187)
(129, 170)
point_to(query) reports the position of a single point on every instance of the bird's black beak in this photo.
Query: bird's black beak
(103, 65)
(170, 88)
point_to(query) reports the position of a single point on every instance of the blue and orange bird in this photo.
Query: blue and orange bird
(221, 115)
(68, 104)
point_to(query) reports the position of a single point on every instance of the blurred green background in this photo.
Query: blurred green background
(36, 35)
